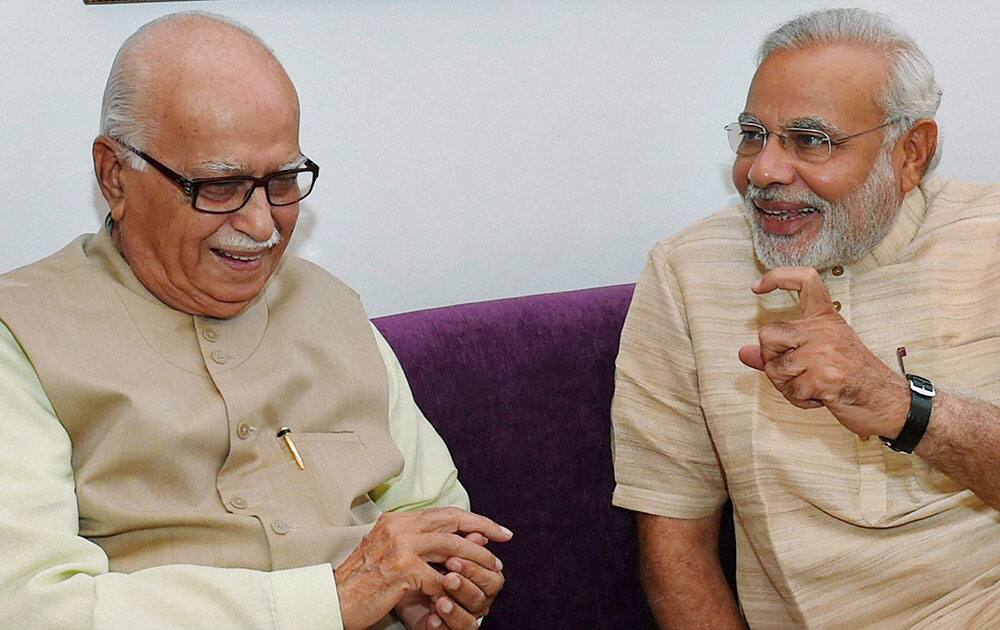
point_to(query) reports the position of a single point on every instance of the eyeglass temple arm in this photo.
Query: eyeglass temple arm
(186, 185)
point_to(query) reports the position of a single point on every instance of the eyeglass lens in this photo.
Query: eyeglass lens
(807, 145)
(230, 194)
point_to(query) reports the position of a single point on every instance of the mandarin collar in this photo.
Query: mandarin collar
(190, 342)
(904, 229)
(102, 251)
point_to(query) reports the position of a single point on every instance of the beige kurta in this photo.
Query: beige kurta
(832, 531)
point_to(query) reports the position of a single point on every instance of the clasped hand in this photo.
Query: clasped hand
(819, 361)
(396, 568)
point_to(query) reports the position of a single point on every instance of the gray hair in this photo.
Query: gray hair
(123, 115)
(911, 94)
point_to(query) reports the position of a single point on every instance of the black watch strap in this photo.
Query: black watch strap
(919, 416)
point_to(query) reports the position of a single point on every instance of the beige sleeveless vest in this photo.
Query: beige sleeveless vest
(173, 418)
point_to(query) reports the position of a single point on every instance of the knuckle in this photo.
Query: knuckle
(428, 513)
(453, 514)
(791, 391)
(773, 374)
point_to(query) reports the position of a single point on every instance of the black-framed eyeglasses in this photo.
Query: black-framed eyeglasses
(814, 146)
(220, 195)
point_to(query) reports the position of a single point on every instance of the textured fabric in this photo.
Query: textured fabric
(53, 577)
(831, 530)
(521, 391)
(152, 457)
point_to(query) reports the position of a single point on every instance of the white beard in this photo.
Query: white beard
(874, 202)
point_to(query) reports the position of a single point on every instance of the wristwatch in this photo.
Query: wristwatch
(921, 399)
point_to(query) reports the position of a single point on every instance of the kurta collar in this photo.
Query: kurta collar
(180, 337)
(904, 229)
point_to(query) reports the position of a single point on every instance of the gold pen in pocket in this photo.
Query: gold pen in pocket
(283, 434)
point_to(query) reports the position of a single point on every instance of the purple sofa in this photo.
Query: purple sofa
(520, 389)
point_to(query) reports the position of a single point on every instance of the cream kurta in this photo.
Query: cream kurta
(832, 531)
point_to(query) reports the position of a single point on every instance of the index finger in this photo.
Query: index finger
(455, 520)
(814, 299)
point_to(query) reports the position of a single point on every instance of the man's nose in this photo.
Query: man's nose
(773, 165)
(254, 219)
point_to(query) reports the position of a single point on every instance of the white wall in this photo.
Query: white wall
(470, 149)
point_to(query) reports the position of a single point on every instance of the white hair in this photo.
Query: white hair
(123, 109)
(911, 93)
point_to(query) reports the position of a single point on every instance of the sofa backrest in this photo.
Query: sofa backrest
(520, 390)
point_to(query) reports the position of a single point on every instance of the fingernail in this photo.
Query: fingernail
(435, 622)
(499, 565)
(454, 564)
(756, 284)
(452, 582)
(446, 606)
(506, 532)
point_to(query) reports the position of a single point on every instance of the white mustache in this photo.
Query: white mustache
(771, 193)
(240, 241)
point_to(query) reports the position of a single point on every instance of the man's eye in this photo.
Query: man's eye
(809, 141)
(752, 134)
(221, 191)
(285, 183)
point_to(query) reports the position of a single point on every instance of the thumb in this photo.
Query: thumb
(751, 357)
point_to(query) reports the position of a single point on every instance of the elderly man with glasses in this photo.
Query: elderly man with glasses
(198, 432)
(862, 451)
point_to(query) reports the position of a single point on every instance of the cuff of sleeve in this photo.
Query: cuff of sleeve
(306, 598)
(649, 502)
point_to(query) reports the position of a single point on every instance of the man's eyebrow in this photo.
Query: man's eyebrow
(296, 163)
(747, 117)
(816, 122)
(213, 168)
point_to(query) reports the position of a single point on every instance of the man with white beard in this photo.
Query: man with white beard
(844, 262)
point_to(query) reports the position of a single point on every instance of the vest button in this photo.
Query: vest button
(210, 334)
(219, 357)
(243, 430)
(238, 502)
(279, 526)
(837, 270)
(838, 306)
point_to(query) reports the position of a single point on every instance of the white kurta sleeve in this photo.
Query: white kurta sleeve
(429, 477)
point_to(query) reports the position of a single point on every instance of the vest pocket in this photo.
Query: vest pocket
(335, 479)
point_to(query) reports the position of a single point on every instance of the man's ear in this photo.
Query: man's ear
(918, 146)
(108, 170)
